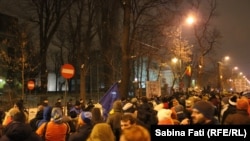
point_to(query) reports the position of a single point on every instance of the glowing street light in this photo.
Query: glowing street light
(190, 20)
(220, 75)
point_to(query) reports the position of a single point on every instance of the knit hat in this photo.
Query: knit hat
(86, 116)
(205, 107)
(232, 100)
(242, 104)
(56, 114)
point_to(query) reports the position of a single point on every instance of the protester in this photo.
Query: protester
(55, 129)
(97, 116)
(135, 133)
(241, 117)
(101, 132)
(84, 128)
(231, 109)
(39, 116)
(164, 117)
(202, 114)
(127, 120)
(18, 130)
(114, 118)
(69, 106)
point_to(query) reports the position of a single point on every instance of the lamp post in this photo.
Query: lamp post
(233, 77)
(188, 21)
(220, 74)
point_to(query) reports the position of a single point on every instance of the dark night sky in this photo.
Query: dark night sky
(233, 22)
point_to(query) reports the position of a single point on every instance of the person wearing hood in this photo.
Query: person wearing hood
(55, 129)
(241, 117)
(114, 118)
(18, 130)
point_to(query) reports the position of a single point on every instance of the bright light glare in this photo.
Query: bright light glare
(190, 20)
(174, 60)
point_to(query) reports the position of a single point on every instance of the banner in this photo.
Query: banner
(108, 99)
(153, 89)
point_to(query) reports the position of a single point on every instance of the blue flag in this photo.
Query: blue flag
(108, 99)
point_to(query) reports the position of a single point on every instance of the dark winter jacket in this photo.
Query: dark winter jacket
(241, 117)
(17, 131)
(82, 134)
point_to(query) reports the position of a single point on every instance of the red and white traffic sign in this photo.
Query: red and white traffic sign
(67, 71)
(31, 85)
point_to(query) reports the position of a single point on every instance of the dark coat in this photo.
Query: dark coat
(241, 117)
(82, 134)
(230, 110)
(17, 131)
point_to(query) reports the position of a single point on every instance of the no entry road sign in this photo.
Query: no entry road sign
(31, 85)
(67, 71)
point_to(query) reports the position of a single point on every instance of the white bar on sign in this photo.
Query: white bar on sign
(68, 71)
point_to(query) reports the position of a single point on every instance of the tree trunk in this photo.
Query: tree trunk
(125, 51)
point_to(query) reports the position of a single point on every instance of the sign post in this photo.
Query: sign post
(67, 71)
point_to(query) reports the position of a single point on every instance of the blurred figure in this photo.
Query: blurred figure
(9, 116)
(101, 132)
(97, 116)
(82, 104)
(114, 118)
(202, 114)
(69, 106)
(39, 116)
(241, 117)
(46, 112)
(146, 115)
(127, 120)
(164, 117)
(224, 106)
(135, 133)
(231, 109)
(20, 107)
(55, 129)
(59, 103)
(84, 127)
(76, 109)
(18, 130)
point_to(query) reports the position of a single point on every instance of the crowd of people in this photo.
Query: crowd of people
(129, 119)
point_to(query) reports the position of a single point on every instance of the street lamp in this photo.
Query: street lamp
(182, 46)
(233, 78)
(220, 74)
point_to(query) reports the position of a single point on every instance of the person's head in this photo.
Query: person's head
(96, 115)
(19, 116)
(56, 115)
(85, 117)
(19, 105)
(127, 120)
(101, 132)
(203, 112)
(242, 104)
(117, 106)
(135, 133)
